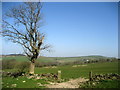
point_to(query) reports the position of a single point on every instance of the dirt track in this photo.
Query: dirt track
(74, 83)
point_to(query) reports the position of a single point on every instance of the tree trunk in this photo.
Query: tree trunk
(32, 67)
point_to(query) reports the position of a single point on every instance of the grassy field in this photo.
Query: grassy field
(22, 82)
(68, 72)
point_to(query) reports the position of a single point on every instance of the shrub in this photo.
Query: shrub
(22, 66)
(38, 64)
(43, 64)
(8, 64)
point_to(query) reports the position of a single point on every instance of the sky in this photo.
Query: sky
(75, 29)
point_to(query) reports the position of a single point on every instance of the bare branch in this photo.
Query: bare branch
(26, 33)
(45, 47)
(13, 28)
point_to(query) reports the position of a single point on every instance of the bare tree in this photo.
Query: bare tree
(25, 29)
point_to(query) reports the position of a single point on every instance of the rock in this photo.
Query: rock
(30, 77)
(23, 81)
(23, 74)
(51, 83)
(38, 77)
(53, 67)
(39, 84)
(93, 84)
(113, 78)
(16, 74)
(14, 85)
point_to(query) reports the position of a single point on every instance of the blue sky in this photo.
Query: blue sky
(76, 29)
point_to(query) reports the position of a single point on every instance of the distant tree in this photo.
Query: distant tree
(26, 29)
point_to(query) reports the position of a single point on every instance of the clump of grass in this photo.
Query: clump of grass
(22, 82)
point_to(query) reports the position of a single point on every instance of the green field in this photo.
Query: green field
(81, 71)
(68, 71)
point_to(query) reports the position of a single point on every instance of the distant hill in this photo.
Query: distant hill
(13, 55)
(94, 56)
(21, 57)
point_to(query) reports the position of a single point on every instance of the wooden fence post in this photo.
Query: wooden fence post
(59, 74)
(90, 75)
